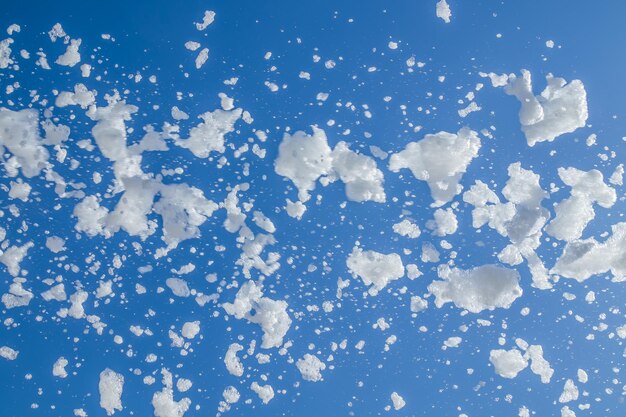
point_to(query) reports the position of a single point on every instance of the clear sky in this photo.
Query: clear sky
(115, 184)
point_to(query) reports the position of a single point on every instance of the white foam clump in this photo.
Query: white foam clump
(163, 401)
(110, 135)
(582, 259)
(231, 396)
(55, 244)
(19, 134)
(295, 209)
(183, 384)
(77, 300)
(202, 58)
(429, 253)
(443, 11)
(8, 353)
(418, 304)
(485, 287)
(570, 392)
(191, 329)
(444, 222)
(227, 103)
(250, 257)
(232, 362)
(440, 159)
(71, 56)
(5, 53)
(508, 363)
(574, 213)
(567, 412)
(14, 27)
(81, 96)
(178, 114)
(56, 32)
(310, 367)
(265, 392)
(13, 256)
(305, 159)
(538, 364)
(363, 180)
(270, 314)
(452, 342)
(397, 401)
(182, 208)
(264, 222)
(17, 296)
(105, 288)
(178, 286)
(58, 368)
(617, 177)
(560, 108)
(374, 268)
(470, 108)
(207, 20)
(192, 45)
(20, 190)
(90, 216)
(208, 136)
(407, 228)
(235, 217)
(111, 386)
(521, 218)
(85, 70)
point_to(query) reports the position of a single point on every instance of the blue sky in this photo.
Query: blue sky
(148, 39)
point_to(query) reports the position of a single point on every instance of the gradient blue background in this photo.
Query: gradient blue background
(149, 39)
